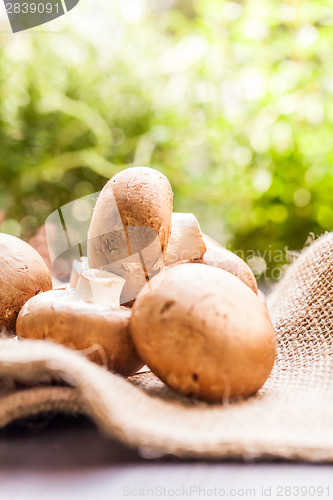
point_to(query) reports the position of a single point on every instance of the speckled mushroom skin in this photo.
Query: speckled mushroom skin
(104, 333)
(229, 261)
(131, 225)
(23, 274)
(204, 333)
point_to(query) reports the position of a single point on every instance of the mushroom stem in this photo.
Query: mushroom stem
(78, 266)
(186, 240)
(100, 287)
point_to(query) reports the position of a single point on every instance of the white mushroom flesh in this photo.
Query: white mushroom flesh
(100, 287)
(78, 266)
(186, 240)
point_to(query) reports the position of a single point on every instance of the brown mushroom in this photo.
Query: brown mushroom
(229, 261)
(130, 227)
(204, 333)
(73, 318)
(23, 274)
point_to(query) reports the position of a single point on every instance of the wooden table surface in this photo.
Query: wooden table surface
(68, 458)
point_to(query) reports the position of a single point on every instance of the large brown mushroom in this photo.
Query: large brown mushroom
(23, 274)
(130, 227)
(204, 333)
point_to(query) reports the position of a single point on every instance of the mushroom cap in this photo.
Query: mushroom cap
(130, 227)
(204, 333)
(229, 261)
(23, 274)
(56, 315)
(144, 199)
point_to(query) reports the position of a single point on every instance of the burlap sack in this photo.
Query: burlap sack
(291, 417)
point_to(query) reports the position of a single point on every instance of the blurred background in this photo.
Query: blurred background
(232, 100)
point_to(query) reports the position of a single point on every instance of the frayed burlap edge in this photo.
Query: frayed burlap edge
(126, 412)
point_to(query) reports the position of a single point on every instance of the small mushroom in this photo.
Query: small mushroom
(23, 274)
(229, 261)
(204, 333)
(88, 319)
(186, 240)
(130, 227)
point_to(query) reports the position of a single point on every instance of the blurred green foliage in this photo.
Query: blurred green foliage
(233, 101)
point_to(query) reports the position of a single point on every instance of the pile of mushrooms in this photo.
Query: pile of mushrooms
(154, 290)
